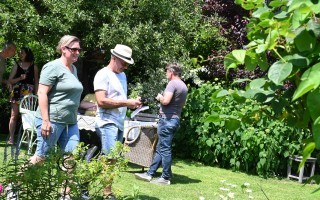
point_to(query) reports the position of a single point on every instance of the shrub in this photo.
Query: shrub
(260, 147)
(49, 179)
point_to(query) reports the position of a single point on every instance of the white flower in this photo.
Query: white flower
(231, 195)
(224, 189)
(233, 185)
(250, 197)
(248, 190)
(246, 184)
(222, 181)
(201, 198)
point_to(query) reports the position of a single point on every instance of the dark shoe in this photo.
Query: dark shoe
(161, 181)
(143, 176)
(85, 195)
(89, 153)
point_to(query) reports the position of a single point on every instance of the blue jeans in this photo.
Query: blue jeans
(66, 135)
(163, 156)
(109, 134)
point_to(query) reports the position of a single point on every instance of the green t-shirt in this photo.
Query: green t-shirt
(64, 96)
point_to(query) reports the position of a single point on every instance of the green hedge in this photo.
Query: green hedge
(262, 148)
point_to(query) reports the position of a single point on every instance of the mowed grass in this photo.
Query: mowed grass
(192, 180)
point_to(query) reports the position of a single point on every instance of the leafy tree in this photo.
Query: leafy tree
(287, 31)
(159, 32)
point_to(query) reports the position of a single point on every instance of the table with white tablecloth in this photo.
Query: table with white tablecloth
(88, 123)
(139, 136)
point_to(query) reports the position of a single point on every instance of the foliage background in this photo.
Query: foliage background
(196, 33)
(158, 32)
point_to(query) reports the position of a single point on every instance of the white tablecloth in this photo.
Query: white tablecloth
(86, 122)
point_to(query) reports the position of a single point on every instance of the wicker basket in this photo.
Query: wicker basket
(143, 146)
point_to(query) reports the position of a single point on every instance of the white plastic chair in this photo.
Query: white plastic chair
(27, 108)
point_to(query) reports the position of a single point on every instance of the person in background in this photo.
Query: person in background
(8, 51)
(88, 105)
(172, 102)
(24, 78)
(59, 95)
(110, 86)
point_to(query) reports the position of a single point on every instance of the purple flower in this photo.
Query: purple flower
(0, 188)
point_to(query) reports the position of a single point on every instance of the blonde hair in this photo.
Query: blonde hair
(65, 41)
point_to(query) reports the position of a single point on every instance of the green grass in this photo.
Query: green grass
(193, 180)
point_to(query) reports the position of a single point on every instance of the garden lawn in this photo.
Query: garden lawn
(193, 180)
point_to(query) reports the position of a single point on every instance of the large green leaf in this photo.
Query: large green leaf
(314, 27)
(298, 60)
(316, 132)
(277, 3)
(251, 60)
(313, 102)
(229, 61)
(309, 148)
(222, 93)
(239, 55)
(261, 11)
(261, 48)
(305, 41)
(215, 117)
(300, 15)
(281, 15)
(279, 71)
(232, 124)
(257, 83)
(262, 61)
(309, 80)
(295, 4)
(271, 40)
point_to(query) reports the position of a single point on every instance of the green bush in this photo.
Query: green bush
(261, 147)
(49, 179)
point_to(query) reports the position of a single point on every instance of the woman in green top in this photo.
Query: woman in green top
(59, 95)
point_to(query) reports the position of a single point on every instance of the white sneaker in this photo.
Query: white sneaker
(161, 181)
(10, 194)
(143, 176)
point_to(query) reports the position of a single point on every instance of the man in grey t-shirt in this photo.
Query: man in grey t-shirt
(172, 102)
(8, 51)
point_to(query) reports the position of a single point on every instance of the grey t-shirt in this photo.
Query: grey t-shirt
(2, 68)
(174, 108)
(64, 96)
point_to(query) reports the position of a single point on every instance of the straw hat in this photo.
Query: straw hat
(123, 52)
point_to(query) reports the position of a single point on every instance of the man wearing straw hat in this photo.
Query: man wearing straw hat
(110, 86)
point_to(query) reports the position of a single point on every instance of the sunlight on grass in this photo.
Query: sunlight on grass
(193, 181)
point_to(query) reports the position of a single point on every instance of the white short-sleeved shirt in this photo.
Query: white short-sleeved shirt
(115, 86)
